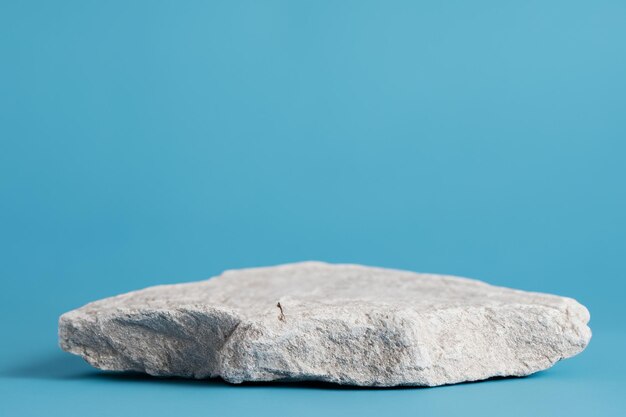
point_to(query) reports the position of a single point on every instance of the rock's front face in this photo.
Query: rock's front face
(347, 324)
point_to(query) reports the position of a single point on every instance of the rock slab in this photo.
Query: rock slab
(345, 324)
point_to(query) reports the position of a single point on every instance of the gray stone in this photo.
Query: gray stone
(347, 324)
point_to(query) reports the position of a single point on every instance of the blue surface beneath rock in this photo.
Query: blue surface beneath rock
(54, 383)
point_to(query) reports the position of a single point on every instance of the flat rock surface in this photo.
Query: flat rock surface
(347, 324)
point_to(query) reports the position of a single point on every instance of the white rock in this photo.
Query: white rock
(347, 324)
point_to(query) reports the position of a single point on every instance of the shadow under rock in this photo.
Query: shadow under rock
(284, 384)
(51, 365)
(62, 366)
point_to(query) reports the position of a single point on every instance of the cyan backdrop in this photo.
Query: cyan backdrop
(149, 142)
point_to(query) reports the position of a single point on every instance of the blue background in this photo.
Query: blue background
(149, 142)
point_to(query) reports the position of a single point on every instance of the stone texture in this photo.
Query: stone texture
(347, 324)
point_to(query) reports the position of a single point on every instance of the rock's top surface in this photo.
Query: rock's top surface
(347, 324)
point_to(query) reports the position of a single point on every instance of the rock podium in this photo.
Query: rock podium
(313, 321)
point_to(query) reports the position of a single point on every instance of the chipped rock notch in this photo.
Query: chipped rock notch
(346, 324)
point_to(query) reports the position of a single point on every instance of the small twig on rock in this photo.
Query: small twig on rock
(281, 316)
